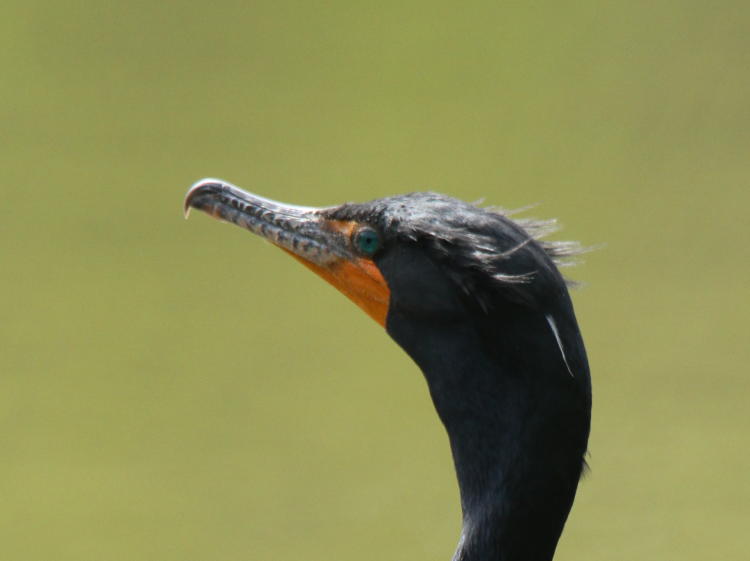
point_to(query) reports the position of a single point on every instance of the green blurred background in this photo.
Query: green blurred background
(175, 390)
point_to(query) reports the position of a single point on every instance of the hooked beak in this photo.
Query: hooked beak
(322, 244)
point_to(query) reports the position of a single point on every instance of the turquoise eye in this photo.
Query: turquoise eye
(367, 241)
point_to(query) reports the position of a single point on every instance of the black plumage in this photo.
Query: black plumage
(477, 300)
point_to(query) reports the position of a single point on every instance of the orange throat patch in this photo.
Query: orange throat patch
(360, 280)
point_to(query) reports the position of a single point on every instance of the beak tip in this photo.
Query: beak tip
(195, 189)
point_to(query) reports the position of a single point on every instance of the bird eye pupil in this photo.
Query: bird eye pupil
(367, 241)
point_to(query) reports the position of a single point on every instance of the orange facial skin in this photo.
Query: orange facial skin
(359, 279)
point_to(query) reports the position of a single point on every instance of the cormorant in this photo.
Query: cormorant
(477, 301)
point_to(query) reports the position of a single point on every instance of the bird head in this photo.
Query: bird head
(477, 301)
(429, 256)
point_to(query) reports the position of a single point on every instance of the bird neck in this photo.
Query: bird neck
(514, 501)
(518, 425)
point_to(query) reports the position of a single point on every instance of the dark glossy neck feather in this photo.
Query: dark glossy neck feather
(517, 420)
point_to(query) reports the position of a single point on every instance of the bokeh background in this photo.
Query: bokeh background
(175, 390)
